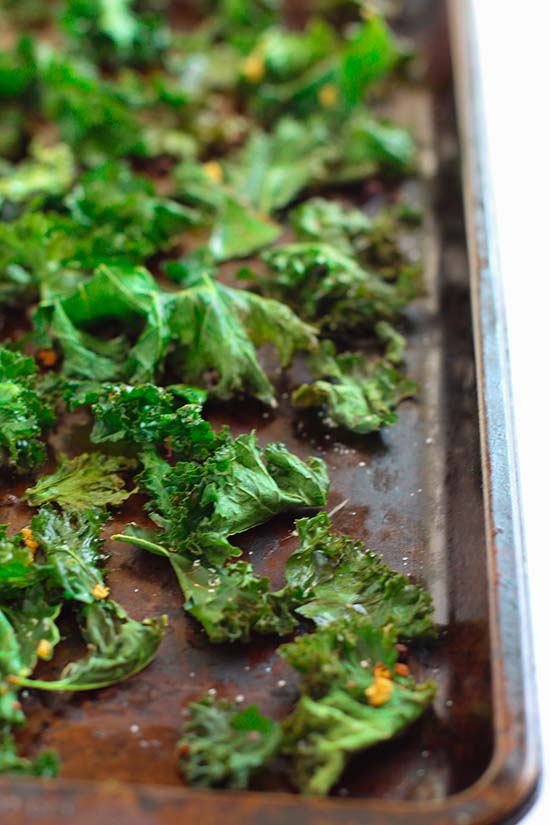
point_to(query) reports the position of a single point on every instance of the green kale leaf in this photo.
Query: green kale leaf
(125, 294)
(33, 619)
(148, 415)
(119, 648)
(94, 116)
(45, 764)
(27, 632)
(213, 331)
(11, 664)
(122, 217)
(49, 171)
(87, 481)
(117, 32)
(39, 252)
(374, 240)
(273, 168)
(231, 602)
(237, 229)
(367, 146)
(333, 576)
(239, 486)
(216, 330)
(222, 747)
(18, 70)
(24, 416)
(112, 216)
(333, 289)
(369, 55)
(353, 698)
(71, 544)
(301, 72)
(352, 392)
(238, 22)
(328, 578)
(322, 221)
(18, 569)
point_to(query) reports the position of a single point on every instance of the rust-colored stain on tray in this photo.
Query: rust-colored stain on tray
(413, 492)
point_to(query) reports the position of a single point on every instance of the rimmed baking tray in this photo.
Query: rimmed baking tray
(437, 495)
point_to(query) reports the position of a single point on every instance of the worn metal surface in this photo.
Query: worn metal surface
(425, 495)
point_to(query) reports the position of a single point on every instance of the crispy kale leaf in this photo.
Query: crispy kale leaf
(121, 217)
(111, 216)
(89, 480)
(49, 171)
(273, 168)
(302, 72)
(71, 544)
(328, 578)
(11, 664)
(117, 32)
(239, 231)
(33, 619)
(239, 21)
(125, 294)
(333, 289)
(221, 746)
(24, 415)
(119, 648)
(326, 221)
(18, 569)
(147, 416)
(39, 252)
(239, 486)
(213, 330)
(94, 116)
(27, 632)
(287, 70)
(216, 330)
(374, 240)
(354, 694)
(367, 146)
(236, 228)
(352, 392)
(332, 576)
(353, 698)
(231, 602)
(45, 764)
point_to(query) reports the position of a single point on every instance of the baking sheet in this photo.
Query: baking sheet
(421, 493)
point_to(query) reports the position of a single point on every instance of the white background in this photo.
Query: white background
(514, 44)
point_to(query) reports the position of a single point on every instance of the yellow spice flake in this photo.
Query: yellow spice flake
(328, 95)
(253, 68)
(213, 170)
(43, 649)
(29, 540)
(47, 357)
(100, 591)
(381, 671)
(379, 692)
(381, 689)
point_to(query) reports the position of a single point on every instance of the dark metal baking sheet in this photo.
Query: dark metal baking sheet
(436, 494)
